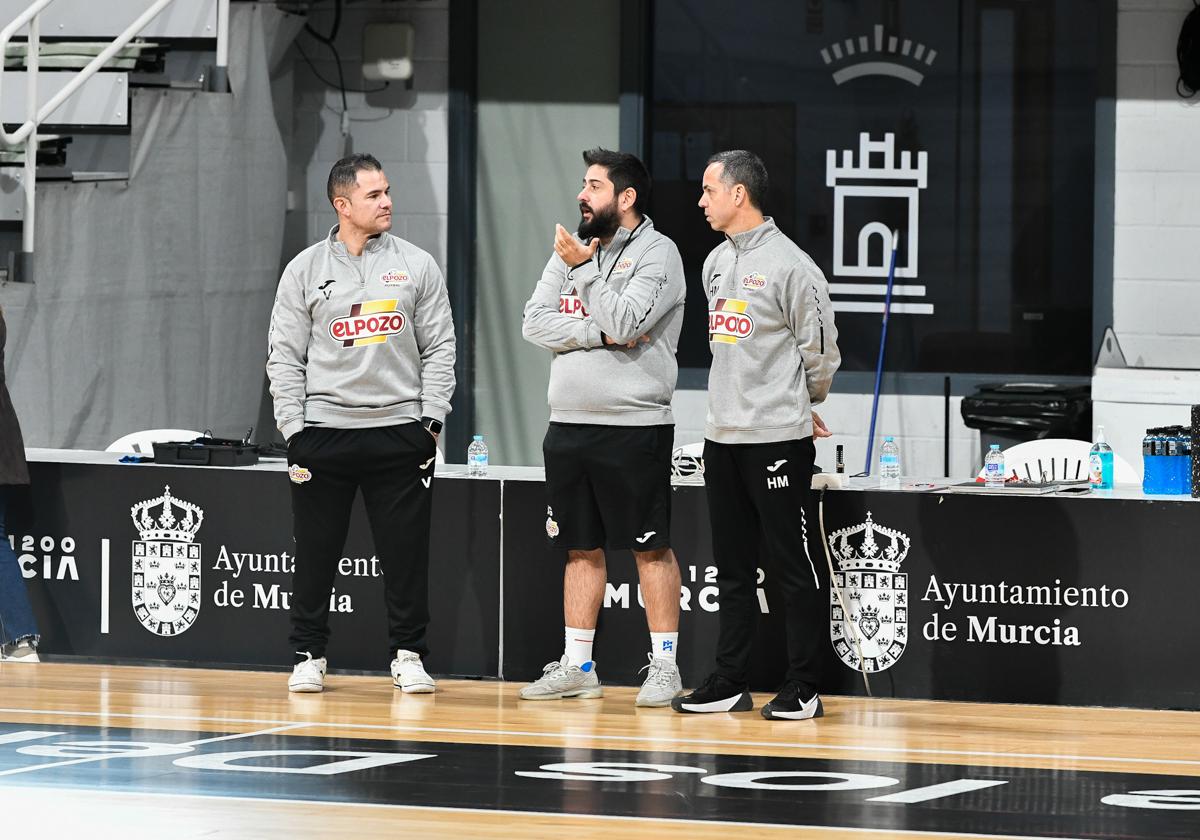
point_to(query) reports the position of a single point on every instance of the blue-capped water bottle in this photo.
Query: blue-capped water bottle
(993, 467)
(1100, 463)
(477, 457)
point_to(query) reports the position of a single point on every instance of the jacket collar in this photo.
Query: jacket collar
(373, 244)
(748, 239)
(624, 234)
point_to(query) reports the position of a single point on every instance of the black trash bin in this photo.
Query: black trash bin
(1015, 412)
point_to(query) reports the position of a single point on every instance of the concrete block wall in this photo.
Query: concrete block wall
(916, 421)
(1156, 249)
(406, 128)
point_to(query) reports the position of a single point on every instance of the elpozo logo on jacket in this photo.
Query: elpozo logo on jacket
(876, 595)
(369, 322)
(166, 564)
(728, 322)
(571, 305)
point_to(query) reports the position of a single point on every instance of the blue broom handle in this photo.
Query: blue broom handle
(887, 308)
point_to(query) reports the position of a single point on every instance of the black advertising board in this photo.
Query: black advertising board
(1077, 601)
(219, 588)
(1025, 600)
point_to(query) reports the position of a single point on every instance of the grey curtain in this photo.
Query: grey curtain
(151, 297)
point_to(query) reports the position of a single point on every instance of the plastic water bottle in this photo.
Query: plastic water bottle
(1100, 463)
(993, 467)
(477, 457)
(1149, 464)
(889, 464)
(1185, 462)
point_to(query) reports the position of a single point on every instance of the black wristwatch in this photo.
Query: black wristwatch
(434, 427)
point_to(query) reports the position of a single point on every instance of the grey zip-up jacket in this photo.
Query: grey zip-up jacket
(360, 342)
(632, 287)
(772, 337)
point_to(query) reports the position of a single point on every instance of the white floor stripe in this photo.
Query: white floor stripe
(694, 742)
(26, 735)
(924, 794)
(887, 832)
(104, 586)
(237, 735)
(33, 768)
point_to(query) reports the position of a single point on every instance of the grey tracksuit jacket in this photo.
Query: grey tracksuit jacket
(632, 287)
(772, 337)
(360, 342)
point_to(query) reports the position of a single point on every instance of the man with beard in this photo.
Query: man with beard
(361, 363)
(609, 307)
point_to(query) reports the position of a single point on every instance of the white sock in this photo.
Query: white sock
(578, 647)
(664, 645)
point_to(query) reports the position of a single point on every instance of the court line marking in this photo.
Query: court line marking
(33, 768)
(856, 748)
(890, 831)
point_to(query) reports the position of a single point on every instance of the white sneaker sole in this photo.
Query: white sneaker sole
(306, 688)
(416, 688)
(818, 710)
(649, 703)
(738, 703)
(579, 693)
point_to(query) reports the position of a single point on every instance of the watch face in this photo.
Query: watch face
(434, 426)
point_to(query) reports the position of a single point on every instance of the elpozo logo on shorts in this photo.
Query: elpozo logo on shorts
(369, 322)
(728, 322)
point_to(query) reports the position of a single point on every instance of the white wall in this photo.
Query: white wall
(1156, 259)
(915, 421)
(406, 128)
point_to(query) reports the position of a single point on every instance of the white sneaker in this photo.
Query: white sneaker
(308, 676)
(408, 674)
(20, 652)
(662, 684)
(560, 680)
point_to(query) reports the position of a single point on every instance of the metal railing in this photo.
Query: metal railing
(27, 132)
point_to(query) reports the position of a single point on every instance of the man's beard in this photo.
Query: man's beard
(604, 223)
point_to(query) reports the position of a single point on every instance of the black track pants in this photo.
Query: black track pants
(394, 467)
(756, 498)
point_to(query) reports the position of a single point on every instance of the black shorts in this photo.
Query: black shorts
(608, 486)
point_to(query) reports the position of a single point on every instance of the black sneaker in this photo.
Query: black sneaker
(788, 704)
(715, 694)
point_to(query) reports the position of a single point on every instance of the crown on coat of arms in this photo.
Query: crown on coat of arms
(873, 547)
(167, 518)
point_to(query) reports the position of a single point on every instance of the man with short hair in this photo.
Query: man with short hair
(361, 364)
(774, 349)
(609, 307)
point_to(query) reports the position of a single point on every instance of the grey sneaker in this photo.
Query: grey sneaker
(561, 680)
(662, 684)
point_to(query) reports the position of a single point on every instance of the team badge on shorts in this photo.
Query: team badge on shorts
(299, 474)
(551, 525)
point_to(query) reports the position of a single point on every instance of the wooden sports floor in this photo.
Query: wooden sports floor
(98, 751)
